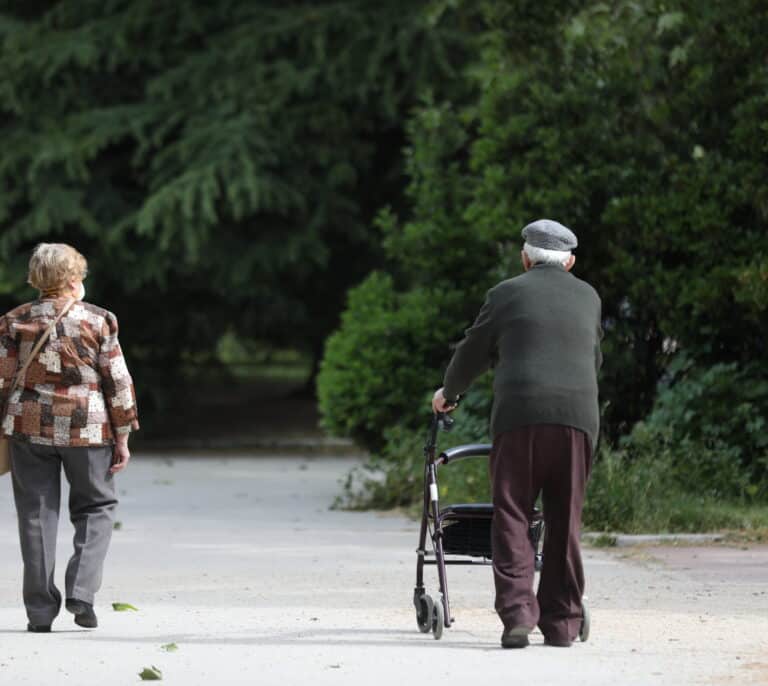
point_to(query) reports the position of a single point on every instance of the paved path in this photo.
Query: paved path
(240, 562)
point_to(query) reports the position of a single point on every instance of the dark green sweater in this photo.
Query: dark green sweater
(542, 330)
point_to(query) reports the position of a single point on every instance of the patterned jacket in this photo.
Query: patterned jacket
(78, 392)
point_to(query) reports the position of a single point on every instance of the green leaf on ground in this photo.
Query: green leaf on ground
(117, 526)
(124, 607)
(169, 647)
(151, 674)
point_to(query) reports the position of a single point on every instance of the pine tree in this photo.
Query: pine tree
(218, 162)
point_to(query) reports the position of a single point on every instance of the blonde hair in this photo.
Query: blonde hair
(53, 265)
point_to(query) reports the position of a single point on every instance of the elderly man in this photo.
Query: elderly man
(543, 330)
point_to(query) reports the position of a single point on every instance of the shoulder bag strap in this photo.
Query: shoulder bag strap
(20, 374)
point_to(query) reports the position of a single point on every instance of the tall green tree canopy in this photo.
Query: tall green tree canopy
(644, 127)
(218, 162)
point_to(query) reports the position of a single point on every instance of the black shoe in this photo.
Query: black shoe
(39, 628)
(557, 643)
(516, 637)
(84, 614)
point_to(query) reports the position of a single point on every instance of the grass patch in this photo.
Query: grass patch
(247, 360)
(626, 496)
(643, 496)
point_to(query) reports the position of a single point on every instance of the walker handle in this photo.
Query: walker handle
(445, 421)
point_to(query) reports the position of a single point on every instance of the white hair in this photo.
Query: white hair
(544, 256)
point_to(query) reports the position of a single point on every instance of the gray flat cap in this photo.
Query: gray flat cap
(549, 235)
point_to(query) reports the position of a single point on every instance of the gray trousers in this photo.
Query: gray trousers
(37, 492)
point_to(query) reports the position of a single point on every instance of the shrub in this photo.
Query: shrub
(643, 495)
(622, 494)
(712, 423)
(643, 142)
(650, 485)
(378, 366)
(393, 342)
(394, 476)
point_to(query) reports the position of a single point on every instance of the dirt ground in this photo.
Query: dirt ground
(240, 563)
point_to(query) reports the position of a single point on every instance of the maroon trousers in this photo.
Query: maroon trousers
(555, 461)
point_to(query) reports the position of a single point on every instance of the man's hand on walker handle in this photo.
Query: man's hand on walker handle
(440, 404)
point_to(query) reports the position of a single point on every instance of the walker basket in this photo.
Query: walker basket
(467, 529)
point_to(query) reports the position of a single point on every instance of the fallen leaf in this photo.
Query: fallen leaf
(124, 607)
(151, 674)
(169, 647)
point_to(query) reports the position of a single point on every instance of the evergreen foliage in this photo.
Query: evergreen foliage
(218, 162)
(382, 360)
(240, 165)
(641, 126)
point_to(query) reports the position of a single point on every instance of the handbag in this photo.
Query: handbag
(5, 453)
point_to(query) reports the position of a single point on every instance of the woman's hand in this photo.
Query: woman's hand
(120, 455)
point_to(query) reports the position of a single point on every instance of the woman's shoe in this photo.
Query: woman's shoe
(39, 628)
(84, 614)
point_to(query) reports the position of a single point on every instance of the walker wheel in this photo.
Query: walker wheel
(585, 622)
(438, 620)
(424, 612)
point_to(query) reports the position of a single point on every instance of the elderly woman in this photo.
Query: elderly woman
(73, 407)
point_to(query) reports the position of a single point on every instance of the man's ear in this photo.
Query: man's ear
(569, 264)
(525, 260)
